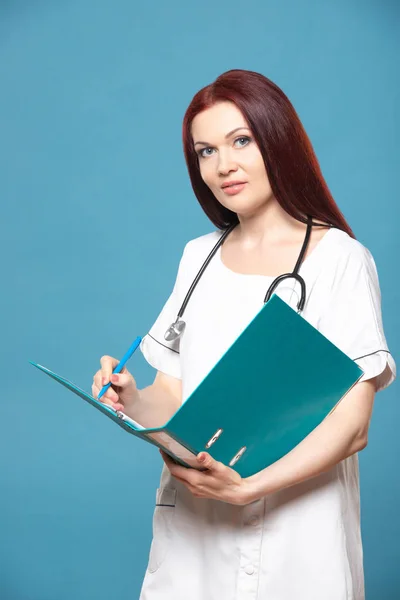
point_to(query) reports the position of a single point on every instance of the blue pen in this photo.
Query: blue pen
(122, 363)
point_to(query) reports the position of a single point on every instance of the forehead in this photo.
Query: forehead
(217, 121)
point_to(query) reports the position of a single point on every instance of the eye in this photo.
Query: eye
(203, 152)
(244, 139)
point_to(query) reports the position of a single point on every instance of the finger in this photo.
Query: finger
(191, 489)
(115, 405)
(97, 379)
(123, 380)
(190, 476)
(110, 398)
(173, 467)
(208, 462)
(108, 364)
(198, 490)
(110, 394)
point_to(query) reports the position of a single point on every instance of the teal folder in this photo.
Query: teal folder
(277, 382)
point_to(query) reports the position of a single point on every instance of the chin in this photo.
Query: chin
(243, 207)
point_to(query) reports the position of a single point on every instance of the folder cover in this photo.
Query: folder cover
(278, 380)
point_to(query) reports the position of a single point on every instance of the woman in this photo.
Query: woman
(291, 531)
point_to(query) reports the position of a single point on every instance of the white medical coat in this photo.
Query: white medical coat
(303, 542)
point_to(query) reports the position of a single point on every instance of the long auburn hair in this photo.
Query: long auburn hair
(292, 167)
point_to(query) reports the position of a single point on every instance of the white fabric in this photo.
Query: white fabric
(303, 542)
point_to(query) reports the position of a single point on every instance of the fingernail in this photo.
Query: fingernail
(202, 457)
(114, 378)
(104, 380)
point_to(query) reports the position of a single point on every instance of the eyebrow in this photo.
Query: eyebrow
(227, 135)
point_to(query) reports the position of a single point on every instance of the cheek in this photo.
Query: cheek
(206, 172)
(264, 178)
(259, 171)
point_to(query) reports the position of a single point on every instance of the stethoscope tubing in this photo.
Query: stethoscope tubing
(178, 326)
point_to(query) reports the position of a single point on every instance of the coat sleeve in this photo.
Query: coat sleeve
(352, 318)
(160, 354)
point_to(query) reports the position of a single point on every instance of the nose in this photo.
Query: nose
(226, 164)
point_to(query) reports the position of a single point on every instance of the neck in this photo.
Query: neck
(268, 223)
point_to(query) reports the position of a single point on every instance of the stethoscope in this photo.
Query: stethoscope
(176, 329)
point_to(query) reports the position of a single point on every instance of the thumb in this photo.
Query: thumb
(207, 461)
(123, 380)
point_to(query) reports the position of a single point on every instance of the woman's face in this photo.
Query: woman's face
(228, 153)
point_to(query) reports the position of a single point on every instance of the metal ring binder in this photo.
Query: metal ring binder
(237, 456)
(214, 438)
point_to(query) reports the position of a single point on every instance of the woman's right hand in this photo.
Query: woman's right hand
(123, 392)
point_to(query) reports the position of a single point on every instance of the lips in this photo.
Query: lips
(231, 183)
(233, 188)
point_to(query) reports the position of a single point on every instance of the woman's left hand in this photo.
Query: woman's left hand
(218, 482)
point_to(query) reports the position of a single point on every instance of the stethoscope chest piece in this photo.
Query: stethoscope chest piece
(175, 330)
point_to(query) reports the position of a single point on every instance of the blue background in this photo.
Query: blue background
(96, 207)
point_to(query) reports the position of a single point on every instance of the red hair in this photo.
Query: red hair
(292, 167)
